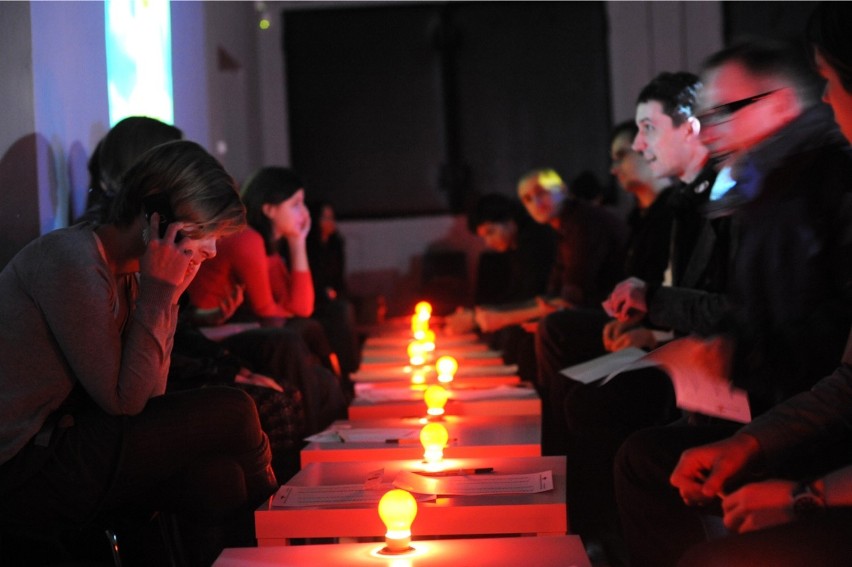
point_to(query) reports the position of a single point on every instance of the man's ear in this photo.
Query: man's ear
(786, 103)
(694, 126)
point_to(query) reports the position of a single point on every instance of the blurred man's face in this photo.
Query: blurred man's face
(497, 236)
(628, 166)
(836, 95)
(736, 110)
(663, 145)
(541, 203)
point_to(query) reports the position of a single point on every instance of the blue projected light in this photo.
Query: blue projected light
(139, 59)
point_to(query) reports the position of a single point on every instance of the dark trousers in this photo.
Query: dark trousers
(200, 454)
(658, 527)
(599, 419)
(564, 338)
(821, 540)
(518, 347)
(284, 354)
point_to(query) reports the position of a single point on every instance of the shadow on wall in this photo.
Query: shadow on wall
(19, 194)
(78, 176)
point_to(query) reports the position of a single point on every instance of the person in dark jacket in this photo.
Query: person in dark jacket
(791, 310)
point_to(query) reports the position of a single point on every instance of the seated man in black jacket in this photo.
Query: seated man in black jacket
(790, 275)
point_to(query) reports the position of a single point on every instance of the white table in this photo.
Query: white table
(471, 436)
(405, 402)
(542, 513)
(555, 551)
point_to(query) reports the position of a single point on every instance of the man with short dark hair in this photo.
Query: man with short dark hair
(598, 418)
(790, 273)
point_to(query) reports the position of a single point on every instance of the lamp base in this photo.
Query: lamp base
(388, 551)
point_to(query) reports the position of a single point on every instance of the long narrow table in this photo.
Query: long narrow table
(470, 436)
(542, 513)
(405, 402)
(556, 551)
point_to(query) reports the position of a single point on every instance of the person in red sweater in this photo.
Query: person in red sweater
(248, 276)
(250, 280)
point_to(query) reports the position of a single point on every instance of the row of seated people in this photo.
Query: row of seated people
(742, 186)
(287, 367)
(90, 312)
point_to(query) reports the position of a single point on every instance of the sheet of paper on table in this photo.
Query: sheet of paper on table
(378, 435)
(349, 434)
(494, 392)
(475, 484)
(371, 394)
(334, 496)
(699, 375)
(403, 372)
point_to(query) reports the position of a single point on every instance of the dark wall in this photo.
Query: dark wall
(780, 20)
(415, 109)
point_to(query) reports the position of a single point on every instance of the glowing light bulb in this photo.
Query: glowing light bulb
(397, 509)
(433, 437)
(436, 398)
(416, 353)
(446, 367)
(418, 376)
(419, 327)
(423, 310)
(428, 340)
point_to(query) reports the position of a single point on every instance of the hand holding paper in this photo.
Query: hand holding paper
(700, 372)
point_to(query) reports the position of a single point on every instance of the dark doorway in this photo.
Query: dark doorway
(418, 109)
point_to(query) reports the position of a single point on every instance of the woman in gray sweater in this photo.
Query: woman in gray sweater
(88, 317)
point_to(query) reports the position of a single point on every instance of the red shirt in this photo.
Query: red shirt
(270, 289)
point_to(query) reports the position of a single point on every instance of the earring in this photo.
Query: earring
(146, 235)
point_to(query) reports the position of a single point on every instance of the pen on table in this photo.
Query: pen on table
(458, 472)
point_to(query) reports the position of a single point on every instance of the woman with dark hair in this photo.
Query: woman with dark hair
(276, 293)
(326, 253)
(89, 314)
(116, 152)
(249, 260)
(332, 308)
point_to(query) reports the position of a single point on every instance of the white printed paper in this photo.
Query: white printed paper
(699, 371)
(475, 484)
(602, 366)
(334, 496)
(378, 435)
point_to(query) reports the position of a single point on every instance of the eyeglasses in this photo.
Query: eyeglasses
(724, 112)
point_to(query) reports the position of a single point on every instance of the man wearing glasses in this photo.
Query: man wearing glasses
(790, 275)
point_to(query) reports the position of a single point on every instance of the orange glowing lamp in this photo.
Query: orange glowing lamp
(423, 309)
(446, 367)
(433, 437)
(418, 376)
(397, 509)
(428, 340)
(436, 398)
(419, 327)
(416, 353)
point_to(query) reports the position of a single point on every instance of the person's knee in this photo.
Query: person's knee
(235, 415)
(634, 453)
(582, 410)
(549, 328)
(214, 489)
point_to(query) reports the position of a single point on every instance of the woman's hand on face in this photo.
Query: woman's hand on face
(306, 226)
(166, 260)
